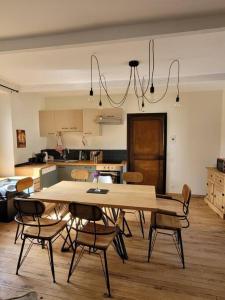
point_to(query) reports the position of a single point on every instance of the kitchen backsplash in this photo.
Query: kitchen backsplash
(114, 156)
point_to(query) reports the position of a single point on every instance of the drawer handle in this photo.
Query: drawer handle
(220, 180)
(222, 194)
(222, 207)
(207, 183)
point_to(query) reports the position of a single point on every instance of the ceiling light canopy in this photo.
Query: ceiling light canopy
(142, 87)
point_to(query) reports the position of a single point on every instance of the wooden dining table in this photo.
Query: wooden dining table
(118, 196)
(124, 196)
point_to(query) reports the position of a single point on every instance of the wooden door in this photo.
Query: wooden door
(146, 142)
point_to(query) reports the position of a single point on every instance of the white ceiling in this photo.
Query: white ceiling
(32, 17)
(68, 68)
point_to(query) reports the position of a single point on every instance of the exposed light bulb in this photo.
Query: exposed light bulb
(177, 98)
(91, 92)
(152, 89)
(142, 103)
(100, 102)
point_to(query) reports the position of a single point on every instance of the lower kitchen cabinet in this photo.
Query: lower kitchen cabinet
(64, 172)
(49, 176)
(215, 196)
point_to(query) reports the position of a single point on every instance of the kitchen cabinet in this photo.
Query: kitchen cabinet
(49, 176)
(69, 120)
(215, 196)
(64, 172)
(51, 122)
(46, 122)
(90, 127)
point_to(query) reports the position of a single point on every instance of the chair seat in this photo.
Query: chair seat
(102, 240)
(164, 221)
(47, 232)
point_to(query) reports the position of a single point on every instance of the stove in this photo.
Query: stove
(113, 170)
(108, 167)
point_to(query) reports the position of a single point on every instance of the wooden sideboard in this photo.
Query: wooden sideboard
(215, 196)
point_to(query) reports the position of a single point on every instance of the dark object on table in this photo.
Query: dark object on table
(97, 191)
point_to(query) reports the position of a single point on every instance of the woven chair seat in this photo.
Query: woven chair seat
(104, 236)
(167, 222)
(47, 232)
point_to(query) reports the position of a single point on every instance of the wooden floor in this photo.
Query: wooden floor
(162, 278)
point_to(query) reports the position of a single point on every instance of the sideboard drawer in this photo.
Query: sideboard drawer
(211, 175)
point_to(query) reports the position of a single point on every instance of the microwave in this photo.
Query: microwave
(221, 164)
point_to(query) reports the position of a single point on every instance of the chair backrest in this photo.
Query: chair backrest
(32, 208)
(24, 184)
(86, 211)
(186, 193)
(80, 175)
(133, 177)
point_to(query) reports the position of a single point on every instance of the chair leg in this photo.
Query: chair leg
(150, 243)
(141, 223)
(17, 233)
(129, 234)
(143, 216)
(20, 256)
(107, 274)
(51, 261)
(181, 247)
(71, 264)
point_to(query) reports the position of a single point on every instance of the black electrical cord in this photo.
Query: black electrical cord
(136, 79)
(9, 88)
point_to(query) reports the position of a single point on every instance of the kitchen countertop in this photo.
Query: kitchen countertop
(33, 170)
(84, 163)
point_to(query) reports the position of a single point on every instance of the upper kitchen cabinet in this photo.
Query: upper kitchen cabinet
(69, 120)
(46, 122)
(90, 127)
(51, 122)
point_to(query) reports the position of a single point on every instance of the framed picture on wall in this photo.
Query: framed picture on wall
(21, 138)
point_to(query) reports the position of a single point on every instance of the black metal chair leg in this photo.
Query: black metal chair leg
(150, 243)
(51, 261)
(107, 274)
(141, 224)
(17, 235)
(71, 264)
(20, 256)
(129, 234)
(181, 246)
(143, 216)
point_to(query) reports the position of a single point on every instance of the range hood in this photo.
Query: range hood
(110, 116)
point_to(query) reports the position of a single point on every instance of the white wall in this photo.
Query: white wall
(6, 137)
(222, 145)
(25, 116)
(196, 124)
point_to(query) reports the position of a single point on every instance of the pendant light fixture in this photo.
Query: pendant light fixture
(142, 89)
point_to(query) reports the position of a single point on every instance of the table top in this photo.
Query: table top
(125, 196)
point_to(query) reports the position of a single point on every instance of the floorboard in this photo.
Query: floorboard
(162, 278)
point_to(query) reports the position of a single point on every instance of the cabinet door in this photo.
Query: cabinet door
(219, 199)
(210, 191)
(90, 127)
(46, 123)
(69, 120)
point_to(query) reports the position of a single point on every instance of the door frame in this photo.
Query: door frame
(139, 115)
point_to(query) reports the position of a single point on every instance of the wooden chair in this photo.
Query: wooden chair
(80, 175)
(135, 178)
(171, 223)
(37, 230)
(94, 236)
(21, 186)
